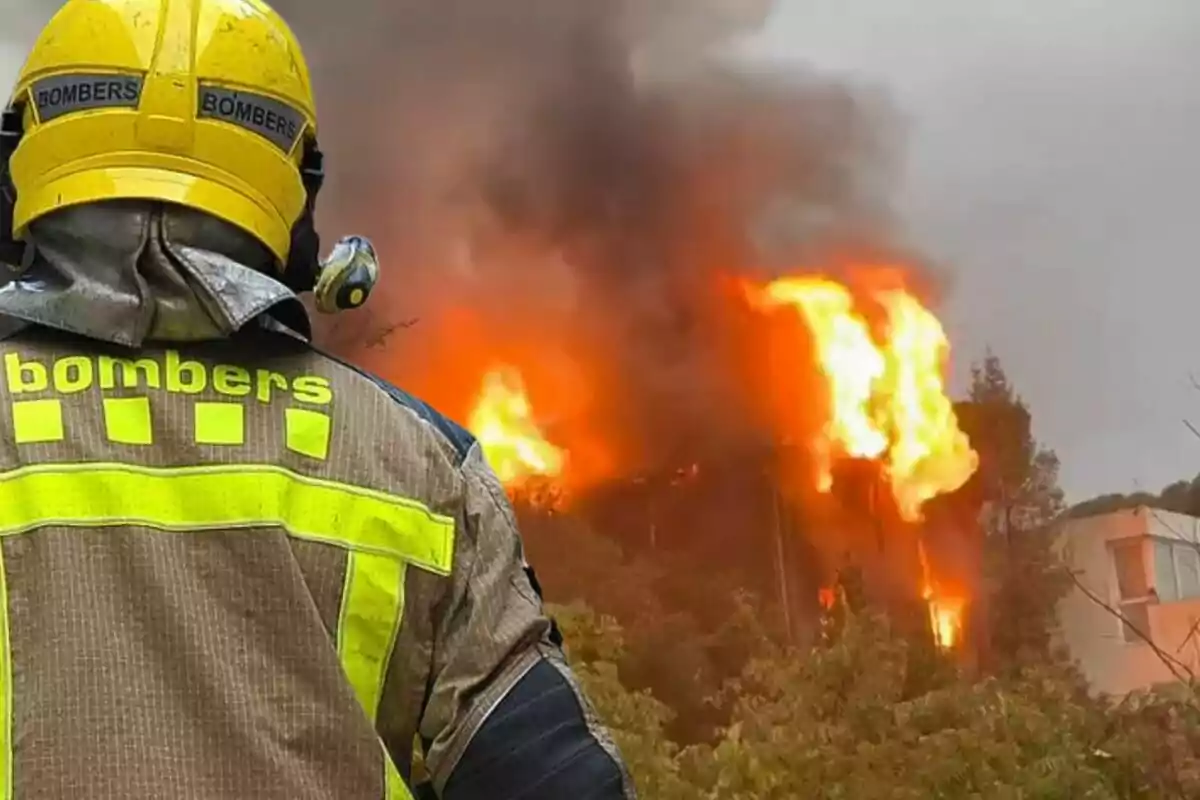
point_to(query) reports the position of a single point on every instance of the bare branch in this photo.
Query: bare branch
(1192, 428)
(1191, 634)
(379, 339)
(1182, 672)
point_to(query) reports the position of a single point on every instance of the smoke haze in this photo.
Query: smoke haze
(22, 20)
(577, 187)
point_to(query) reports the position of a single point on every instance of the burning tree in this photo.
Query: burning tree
(886, 406)
(596, 217)
(877, 416)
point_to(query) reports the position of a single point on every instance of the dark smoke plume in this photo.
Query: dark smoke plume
(585, 176)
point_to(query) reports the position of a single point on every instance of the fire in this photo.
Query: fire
(945, 615)
(945, 611)
(882, 355)
(886, 388)
(879, 354)
(504, 424)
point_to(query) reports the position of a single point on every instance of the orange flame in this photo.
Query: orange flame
(945, 612)
(945, 615)
(886, 388)
(503, 422)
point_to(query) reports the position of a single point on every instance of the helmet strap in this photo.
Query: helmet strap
(12, 252)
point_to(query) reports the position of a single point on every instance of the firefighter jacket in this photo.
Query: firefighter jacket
(239, 568)
(242, 569)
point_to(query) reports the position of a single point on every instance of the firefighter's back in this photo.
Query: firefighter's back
(204, 567)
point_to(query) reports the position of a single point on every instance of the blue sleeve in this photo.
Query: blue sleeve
(539, 743)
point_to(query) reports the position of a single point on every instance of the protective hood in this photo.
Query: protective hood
(128, 272)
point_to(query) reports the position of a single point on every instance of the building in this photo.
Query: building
(1146, 563)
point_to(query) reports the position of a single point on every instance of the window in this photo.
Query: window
(1129, 558)
(1164, 571)
(1133, 587)
(1187, 570)
(1176, 570)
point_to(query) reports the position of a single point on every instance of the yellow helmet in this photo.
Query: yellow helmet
(203, 103)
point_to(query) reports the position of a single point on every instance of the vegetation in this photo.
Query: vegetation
(1182, 497)
(1016, 491)
(838, 721)
(709, 699)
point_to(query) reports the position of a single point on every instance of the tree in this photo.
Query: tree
(681, 638)
(867, 710)
(1182, 497)
(1017, 494)
(840, 721)
(1017, 480)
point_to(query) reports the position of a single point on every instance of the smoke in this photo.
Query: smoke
(22, 20)
(580, 185)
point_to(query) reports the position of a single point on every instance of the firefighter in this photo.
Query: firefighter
(232, 566)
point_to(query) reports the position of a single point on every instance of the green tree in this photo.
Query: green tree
(1182, 497)
(1017, 496)
(839, 722)
(1017, 480)
(844, 720)
(681, 637)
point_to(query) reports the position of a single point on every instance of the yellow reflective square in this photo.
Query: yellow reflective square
(37, 421)
(127, 420)
(220, 423)
(308, 432)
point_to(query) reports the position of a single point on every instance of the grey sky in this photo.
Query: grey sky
(1052, 162)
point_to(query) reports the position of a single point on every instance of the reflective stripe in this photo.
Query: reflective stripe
(6, 698)
(372, 609)
(227, 496)
(372, 606)
(395, 787)
(383, 533)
